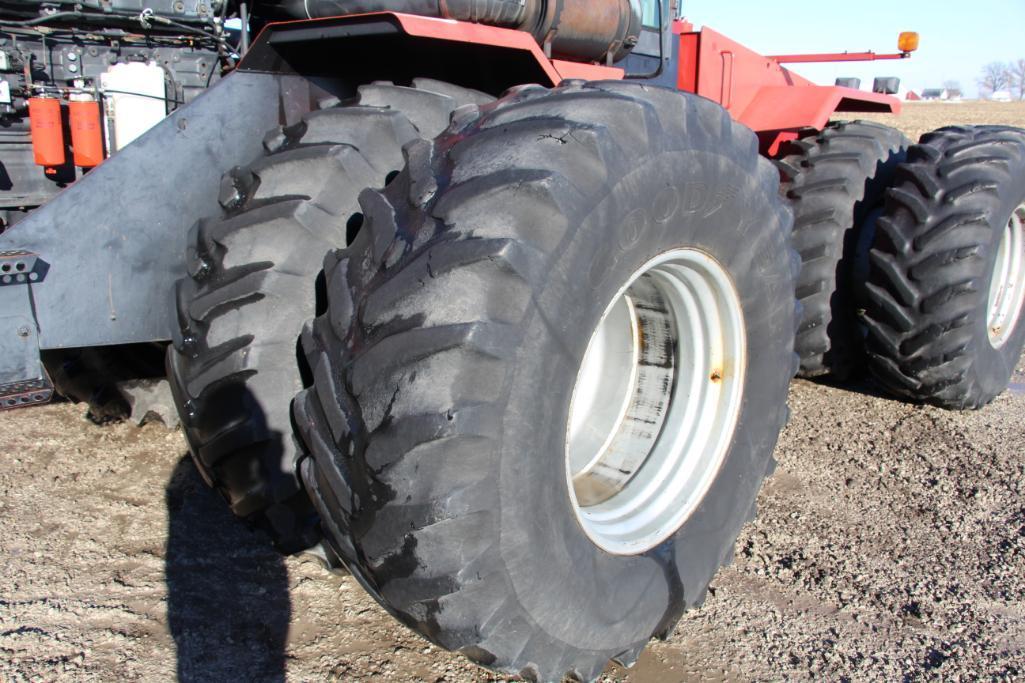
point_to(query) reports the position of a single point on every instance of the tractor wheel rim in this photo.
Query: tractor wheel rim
(1007, 288)
(656, 401)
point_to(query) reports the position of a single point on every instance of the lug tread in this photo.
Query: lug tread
(251, 284)
(377, 367)
(928, 264)
(839, 175)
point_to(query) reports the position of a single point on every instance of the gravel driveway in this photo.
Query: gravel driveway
(890, 545)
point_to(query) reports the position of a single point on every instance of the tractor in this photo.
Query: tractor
(493, 304)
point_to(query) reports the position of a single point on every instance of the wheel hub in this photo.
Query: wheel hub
(1007, 288)
(656, 401)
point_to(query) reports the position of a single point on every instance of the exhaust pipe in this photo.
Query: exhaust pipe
(582, 30)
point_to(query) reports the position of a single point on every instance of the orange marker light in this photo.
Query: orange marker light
(44, 117)
(908, 41)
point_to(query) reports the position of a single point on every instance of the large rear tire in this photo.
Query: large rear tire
(835, 179)
(946, 290)
(462, 332)
(253, 281)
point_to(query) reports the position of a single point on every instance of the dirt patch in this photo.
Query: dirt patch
(890, 544)
(921, 117)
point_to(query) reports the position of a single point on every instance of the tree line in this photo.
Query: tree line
(998, 76)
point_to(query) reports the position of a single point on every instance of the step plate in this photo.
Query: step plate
(26, 393)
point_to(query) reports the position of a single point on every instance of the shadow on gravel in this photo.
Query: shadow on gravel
(228, 607)
(859, 383)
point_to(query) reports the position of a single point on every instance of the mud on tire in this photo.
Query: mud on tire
(457, 322)
(253, 280)
(934, 265)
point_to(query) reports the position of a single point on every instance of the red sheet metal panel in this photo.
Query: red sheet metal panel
(480, 34)
(789, 107)
(761, 93)
(588, 72)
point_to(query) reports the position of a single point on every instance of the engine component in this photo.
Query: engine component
(86, 130)
(134, 101)
(47, 128)
(61, 61)
(578, 29)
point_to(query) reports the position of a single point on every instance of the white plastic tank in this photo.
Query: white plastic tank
(134, 100)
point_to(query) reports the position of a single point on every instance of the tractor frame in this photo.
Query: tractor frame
(94, 266)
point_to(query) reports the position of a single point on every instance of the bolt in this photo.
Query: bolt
(24, 331)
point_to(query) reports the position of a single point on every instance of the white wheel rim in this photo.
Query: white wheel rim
(656, 402)
(1007, 288)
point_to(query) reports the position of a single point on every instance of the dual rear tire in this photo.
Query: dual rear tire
(254, 278)
(913, 257)
(946, 289)
(836, 180)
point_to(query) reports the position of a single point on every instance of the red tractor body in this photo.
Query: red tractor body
(756, 89)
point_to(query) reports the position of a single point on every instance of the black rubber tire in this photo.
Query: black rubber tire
(253, 282)
(835, 180)
(932, 263)
(444, 367)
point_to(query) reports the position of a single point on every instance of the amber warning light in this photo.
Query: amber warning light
(908, 42)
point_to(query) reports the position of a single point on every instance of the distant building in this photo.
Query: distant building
(941, 95)
(912, 96)
(1001, 96)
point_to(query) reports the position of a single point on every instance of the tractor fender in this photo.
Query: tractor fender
(400, 47)
(775, 110)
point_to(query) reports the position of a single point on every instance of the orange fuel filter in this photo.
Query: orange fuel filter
(86, 132)
(46, 126)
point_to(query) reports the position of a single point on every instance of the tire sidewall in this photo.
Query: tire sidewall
(574, 591)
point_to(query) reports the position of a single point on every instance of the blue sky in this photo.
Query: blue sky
(958, 38)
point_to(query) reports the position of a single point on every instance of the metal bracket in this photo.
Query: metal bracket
(26, 393)
(23, 380)
(21, 268)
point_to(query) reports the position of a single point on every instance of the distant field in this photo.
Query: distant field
(922, 117)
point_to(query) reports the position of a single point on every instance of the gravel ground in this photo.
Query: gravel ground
(890, 545)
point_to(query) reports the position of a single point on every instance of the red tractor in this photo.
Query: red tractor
(492, 302)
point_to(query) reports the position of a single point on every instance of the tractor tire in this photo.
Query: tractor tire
(254, 278)
(446, 367)
(835, 180)
(946, 287)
